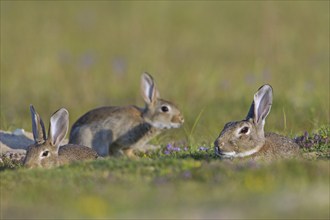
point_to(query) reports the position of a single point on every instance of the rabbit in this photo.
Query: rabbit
(246, 138)
(47, 152)
(118, 131)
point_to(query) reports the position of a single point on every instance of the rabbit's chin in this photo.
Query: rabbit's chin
(165, 126)
(233, 154)
(226, 155)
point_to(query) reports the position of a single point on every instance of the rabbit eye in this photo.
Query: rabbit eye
(164, 108)
(244, 130)
(45, 153)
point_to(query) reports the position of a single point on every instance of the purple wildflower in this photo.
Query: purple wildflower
(170, 148)
(201, 148)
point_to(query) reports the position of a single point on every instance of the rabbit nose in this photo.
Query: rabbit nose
(218, 143)
(181, 118)
(177, 119)
(218, 148)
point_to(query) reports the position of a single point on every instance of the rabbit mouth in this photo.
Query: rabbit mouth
(166, 126)
(232, 154)
(175, 125)
(223, 154)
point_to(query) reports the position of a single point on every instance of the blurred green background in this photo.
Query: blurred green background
(208, 57)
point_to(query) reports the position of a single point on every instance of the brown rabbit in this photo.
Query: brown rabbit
(116, 131)
(47, 152)
(247, 138)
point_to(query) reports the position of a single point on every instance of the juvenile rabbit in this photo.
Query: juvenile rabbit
(118, 131)
(247, 138)
(47, 152)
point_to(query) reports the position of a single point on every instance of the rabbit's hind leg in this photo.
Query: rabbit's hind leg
(129, 152)
(115, 150)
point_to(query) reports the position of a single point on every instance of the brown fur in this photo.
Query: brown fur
(277, 147)
(46, 152)
(116, 131)
(246, 138)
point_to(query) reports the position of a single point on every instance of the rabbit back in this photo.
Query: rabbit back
(102, 127)
(70, 153)
(278, 147)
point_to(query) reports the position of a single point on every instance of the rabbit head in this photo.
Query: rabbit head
(159, 113)
(246, 137)
(44, 152)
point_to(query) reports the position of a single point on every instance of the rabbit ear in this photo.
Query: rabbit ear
(261, 104)
(148, 89)
(38, 127)
(58, 127)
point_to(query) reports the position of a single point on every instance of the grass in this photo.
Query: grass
(169, 188)
(174, 182)
(208, 57)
